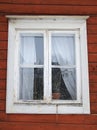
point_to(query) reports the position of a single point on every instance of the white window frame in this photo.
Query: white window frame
(30, 24)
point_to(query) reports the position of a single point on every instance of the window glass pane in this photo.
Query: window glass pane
(63, 84)
(31, 84)
(63, 49)
(31, 50)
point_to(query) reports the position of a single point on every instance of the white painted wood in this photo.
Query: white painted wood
(84, 69)
(31, 66)
(45, 24)
(65, 109)
(48, 71)
(78, 68)
(47, 17)
(34, 109)
(16, 66)
(10, 67)
(65, 66)
(50, 62)
(46, 89)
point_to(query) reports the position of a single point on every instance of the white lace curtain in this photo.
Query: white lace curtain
(63, 54)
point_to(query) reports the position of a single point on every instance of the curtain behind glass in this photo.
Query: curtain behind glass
(63, 53)
(27, 56)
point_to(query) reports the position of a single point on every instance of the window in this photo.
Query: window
(47, 65)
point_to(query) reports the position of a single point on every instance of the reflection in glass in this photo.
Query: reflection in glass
(63, 49)
(63, 84)
(31, 84)
(31, 50)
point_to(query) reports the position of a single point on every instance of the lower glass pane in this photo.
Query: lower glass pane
(31, 84)
(63, 84)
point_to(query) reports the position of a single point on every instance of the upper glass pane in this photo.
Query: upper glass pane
(32, 50)
(63, 49)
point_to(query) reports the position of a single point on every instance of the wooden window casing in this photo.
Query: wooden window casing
(47, 25)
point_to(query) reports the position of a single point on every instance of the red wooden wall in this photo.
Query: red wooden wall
(49, 7)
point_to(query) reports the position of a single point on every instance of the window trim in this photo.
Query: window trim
(43, 22)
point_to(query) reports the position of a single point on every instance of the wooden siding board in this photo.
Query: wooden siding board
(2, 94)
(3, 64)
(92, 29)
(92, 20)
(93, 77)
(3, 36)
(92, 38)
(92, 48)
(93, 97)
(60, 119)
(51, 2)
(3, 55)
(3, 19)
(2, 105)
(39, 126)
(77, 119)
(92, 67)
(3, 27)
(47, 9)
(92, 58)
(93, 108)
(2, 84)
(2, 74)
(93, 88)
(3, 45)
(63, 119)
(28, 118)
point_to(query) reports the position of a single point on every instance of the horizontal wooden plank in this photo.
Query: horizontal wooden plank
(3, 36)
(92, 67)
(93, 87)
(92, 48)
(2, 74)
(92, 38)
(64, 119)
(2, 105)
(92, 20)
(47, 9)
(77, 119)
(50, 2)
(93, 77)
(92, 58)
(93, 97)
(3, 54)
(3, 19)
(27, 118)
(3, 64)
(2, 84)
(93, 108)
(3, 27)
(2, 94)
(3, 45)
(92, 29)
(44, 126)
